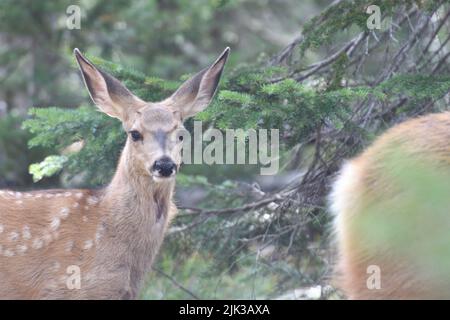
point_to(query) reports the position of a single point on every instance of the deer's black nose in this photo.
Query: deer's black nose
(165, 167)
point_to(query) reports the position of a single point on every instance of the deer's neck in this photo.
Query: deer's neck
(134, 196)
(138, 211)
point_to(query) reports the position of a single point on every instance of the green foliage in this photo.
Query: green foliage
(244, 101)
(322, 28)
(103, 138)
(14, 156)
(196, 274)
(418, 87)
(47, 168)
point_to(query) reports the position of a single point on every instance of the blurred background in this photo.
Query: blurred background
(313, 69)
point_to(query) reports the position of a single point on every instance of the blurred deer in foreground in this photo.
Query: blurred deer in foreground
(112, 235)
(392, 206)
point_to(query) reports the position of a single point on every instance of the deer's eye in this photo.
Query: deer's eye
(136, 135)
(180, 137)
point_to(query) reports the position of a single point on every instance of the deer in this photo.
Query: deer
(100, 244)
(391, 207)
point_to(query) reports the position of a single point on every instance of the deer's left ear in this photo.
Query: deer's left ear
(196, 93)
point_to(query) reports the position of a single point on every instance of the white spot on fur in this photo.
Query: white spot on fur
(64, 213)
(11, 193)
(88, 244)
(54, 225)
(39, 195)
(2, 228)
(49, 195)
(79, 195)
(13, 236)
(19, 202)
(69, 246)
(21, 248)
(28, 195)
(68, 194)
(8, 253)
(18, 195)
(92, 200)
(75, 205)
(85, 219)
(26, 234)
(37, 243)
(47, 238)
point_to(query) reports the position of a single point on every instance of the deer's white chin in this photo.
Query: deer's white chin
(161, 179)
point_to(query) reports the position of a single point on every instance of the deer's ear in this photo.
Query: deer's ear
(108, 93)
(196, 93)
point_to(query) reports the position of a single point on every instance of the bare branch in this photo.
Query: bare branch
(176, 283)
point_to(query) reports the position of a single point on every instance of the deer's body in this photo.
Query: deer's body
(392, 207)
(110, 236)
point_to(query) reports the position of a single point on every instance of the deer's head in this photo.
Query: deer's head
(155, 129)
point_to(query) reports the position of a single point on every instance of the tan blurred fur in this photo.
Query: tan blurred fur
(364, 183)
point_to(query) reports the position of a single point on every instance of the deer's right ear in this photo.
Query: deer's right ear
(108, 93)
